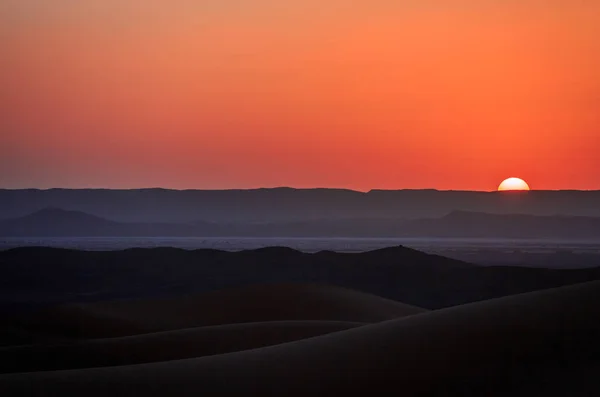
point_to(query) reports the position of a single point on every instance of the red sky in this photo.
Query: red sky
(442, 94)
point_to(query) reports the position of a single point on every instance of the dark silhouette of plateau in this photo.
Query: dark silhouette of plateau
(287, 204)
(55, 222)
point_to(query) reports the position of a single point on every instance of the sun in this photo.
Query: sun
(513, 184)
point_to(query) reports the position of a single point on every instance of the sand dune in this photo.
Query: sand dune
(502, 347)
(282, 302)
(76, 321)
(162, 346)
(14, 336)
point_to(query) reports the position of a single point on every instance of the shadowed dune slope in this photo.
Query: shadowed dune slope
(498, 347)
(281, 302)
(13, 336)
(162, 346)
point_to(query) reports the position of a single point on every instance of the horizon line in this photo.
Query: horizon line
(295, 188)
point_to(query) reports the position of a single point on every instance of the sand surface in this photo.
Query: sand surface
(308, 340)
(281, 302)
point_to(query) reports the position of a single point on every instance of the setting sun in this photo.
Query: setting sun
(513, 184)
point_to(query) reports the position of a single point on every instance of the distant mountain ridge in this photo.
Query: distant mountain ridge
(287, 204)
(55, 222)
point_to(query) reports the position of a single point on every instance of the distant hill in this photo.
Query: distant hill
(292, 205)
(39, 276)
(476, 224)
(54, 222)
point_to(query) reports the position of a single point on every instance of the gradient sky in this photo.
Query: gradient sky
(442, 94)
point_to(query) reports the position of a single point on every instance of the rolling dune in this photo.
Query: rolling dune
(162, 346)
(282, 302)
(543, 343)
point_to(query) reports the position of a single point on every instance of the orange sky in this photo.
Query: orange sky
(442, 94)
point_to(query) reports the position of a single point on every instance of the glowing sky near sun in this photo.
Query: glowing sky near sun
(440, 94)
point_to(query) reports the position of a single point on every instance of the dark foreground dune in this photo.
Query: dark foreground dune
(282, 302)
(543, 343)
(162, 346)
